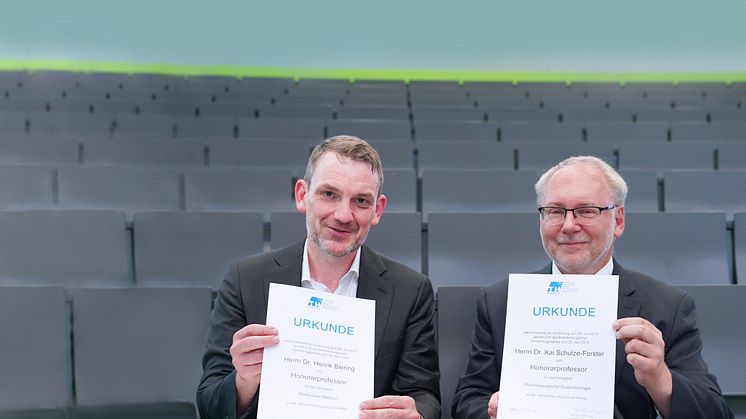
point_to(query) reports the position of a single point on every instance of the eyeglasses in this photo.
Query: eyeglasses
(583, 215)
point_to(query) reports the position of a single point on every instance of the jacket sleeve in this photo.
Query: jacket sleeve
(216, 394)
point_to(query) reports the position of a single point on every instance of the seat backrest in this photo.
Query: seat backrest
(66, 248)
(679, 248)
(138, 345)
(456, 318)
(192, 248)
(145, 152)
(662, 156)
(480, 249)
(26, 187)
(720, 322)
(35, 353)
(722, 190)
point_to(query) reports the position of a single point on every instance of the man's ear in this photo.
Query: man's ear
(619, 222)
(380, 206)
(301, 190)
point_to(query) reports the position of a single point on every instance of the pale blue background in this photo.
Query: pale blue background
(497, 35)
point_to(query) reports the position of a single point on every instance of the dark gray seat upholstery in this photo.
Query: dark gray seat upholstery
(371, 129)
(141, 152)
(443, 113)
(145, 347)
(36, 150)
(541, 131)
(395, 154)
(528, 114)
(398, 110)
(665, 156)
(723, 190)
(676, 248)
(59, 124)
(456, 318)
(313, 130)
(723, 334)
(714, 131)
(260, 189)
(35, 349)
(26, 187)
(454, 131)
(480, 249)
(654, 132)
(398, 235)
(465, 155)
(545, 154)
(400, 187)
(291, 154)
(315, 112)
(478, 191)
(67, 248)
(145, 126)
(739, 243)
(206, 127)
(118, 187)
(192, 248)
(732, 155)
(643, 191)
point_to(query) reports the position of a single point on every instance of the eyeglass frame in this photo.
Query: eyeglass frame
(575, 215)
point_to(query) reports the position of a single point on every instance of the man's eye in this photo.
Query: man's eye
(327, 194)
(553, 212)
(361, 201)
(586, 212)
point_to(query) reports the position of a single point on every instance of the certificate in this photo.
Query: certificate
(559, 350)
(323, 365)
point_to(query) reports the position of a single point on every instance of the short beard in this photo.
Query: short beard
(316, 238)
(608, 246)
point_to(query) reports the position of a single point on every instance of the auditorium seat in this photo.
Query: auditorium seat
(281, 128)
(454, 131)
(714, 131)
(541, 131)
(169, 107)
(666, 156)
(480, 249)
(34, 324)
(400, 188)
(66, 248)
(26, 187)
(478, 191)
(192, 248)
(731, 155)
(280, 111)
(689, 191)
(143, 152)
(61, 124)
(12, 122)
(727, 115)
(643, 194)
(622, 132)
(516, 114)
(118, 187)
(204, 127)
(35, 150)
(456, 319)
(739, 244)
(464, 155)
(398, 111)
(395, 154)
(443, 113)
(597, 115)
(723, 335)
(291, 154)
(371, 129)
(145, 347)
(672, 115)
(677, 248)
(542, 155)
(231, 189)
(144, 126)
(396, 101)
(398, 235)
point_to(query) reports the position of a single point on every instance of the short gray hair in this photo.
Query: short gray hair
(617, 185)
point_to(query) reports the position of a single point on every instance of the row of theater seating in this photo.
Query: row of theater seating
(125, 126)
(130, 189)
(97, 248)
(140, 356)
(293, 154)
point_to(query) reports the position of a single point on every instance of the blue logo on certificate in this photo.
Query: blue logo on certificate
(315, 302)
(554, 287)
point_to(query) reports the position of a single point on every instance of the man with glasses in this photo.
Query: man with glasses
(659, 367)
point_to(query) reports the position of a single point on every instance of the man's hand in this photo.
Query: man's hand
(492, 405)
(645, 350)
(389, 407)
(247, 352)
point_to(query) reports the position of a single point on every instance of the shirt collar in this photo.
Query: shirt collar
(347, 284)
(606, 270)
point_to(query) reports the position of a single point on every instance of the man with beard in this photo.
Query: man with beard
(659, 367)
(341, 198)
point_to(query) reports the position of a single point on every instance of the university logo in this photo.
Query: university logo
(554, 287)
(315, 302)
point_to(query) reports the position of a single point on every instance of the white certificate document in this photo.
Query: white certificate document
(323, 366)
(559, 350)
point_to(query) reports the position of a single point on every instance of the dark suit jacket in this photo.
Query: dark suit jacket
(695, 391)
(406, 360)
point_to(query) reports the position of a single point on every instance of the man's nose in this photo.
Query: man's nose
(343, 212)
(570, 223)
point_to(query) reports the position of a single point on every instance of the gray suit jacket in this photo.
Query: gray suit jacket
(406, 360)
(695, 391)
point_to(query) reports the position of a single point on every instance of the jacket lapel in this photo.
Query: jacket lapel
(628, 306)
(287, 268)
(372, 285)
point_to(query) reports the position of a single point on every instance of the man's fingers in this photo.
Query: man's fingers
(387, 402)
(255, 330)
